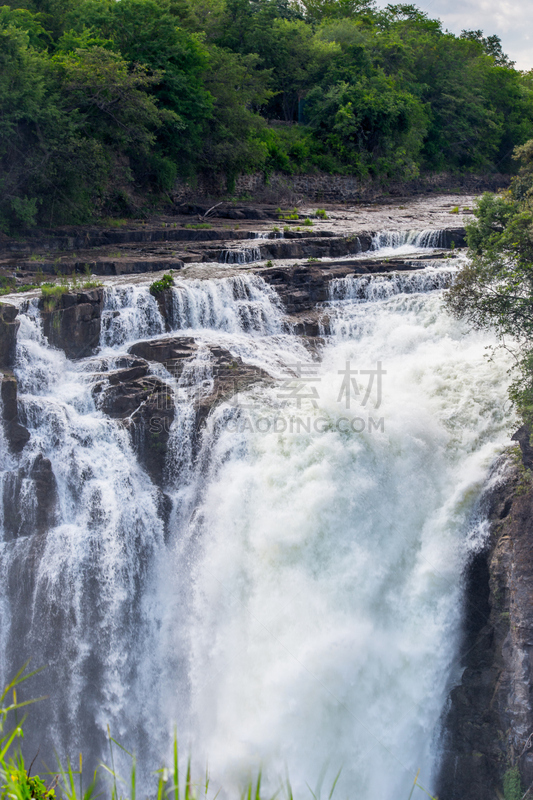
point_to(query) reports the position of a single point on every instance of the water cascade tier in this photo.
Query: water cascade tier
(254, 537)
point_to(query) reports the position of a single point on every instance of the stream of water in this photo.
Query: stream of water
(299, 610)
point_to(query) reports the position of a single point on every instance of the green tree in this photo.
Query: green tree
(145, 32)
(495, 288)
(374, 127)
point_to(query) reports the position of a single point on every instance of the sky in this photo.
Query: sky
(511, 20)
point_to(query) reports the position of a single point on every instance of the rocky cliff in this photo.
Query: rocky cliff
(488, 730)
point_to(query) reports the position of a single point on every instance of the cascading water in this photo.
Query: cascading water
(426, 239)
(381, 287)
(245, 256)
(291, 598)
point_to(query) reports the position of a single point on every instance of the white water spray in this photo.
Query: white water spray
(297, 605)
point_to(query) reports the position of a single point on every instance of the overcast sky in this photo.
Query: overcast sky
(511, 20)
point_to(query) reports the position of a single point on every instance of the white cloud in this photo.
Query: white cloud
(511, 20)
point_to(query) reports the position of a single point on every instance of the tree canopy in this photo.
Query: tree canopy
(103, 99)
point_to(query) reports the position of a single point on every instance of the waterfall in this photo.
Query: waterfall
(130, 312)
(394, 239)
(290, 595)
(239, 303)
(327, 599)
(380, 287)
(245, 256)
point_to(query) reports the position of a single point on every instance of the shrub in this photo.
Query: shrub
(320, 213)
(512, 787)
(162, 284)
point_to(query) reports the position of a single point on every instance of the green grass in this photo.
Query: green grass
(113, 222)
(307, 222)
(51, 292)
(320, 213)
(198, 225)
(170, 782)
(455, 210)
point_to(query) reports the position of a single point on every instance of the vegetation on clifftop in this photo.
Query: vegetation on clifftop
(495, 288)
(103, 102)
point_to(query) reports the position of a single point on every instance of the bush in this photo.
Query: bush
(162, 284)
(512, 787)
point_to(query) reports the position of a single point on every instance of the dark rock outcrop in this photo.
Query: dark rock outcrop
(16, 434)
(523, 437)
(72, 321)
(489, 722)
(29, 511)
(230, 375)
(45, 488)
(9, 325)
(146, 406)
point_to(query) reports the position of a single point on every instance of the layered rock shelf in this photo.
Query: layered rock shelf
(227, 234)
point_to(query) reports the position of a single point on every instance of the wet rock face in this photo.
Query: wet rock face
(24, 516)
(229, 374)
(72, 321)
(146, 403)
(523, 437)
(490, 716)
(9, 325)
(146, 406)
(16, 434)
(45, 493)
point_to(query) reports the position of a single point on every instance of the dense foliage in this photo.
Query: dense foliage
(495, 288)
(104, 101)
